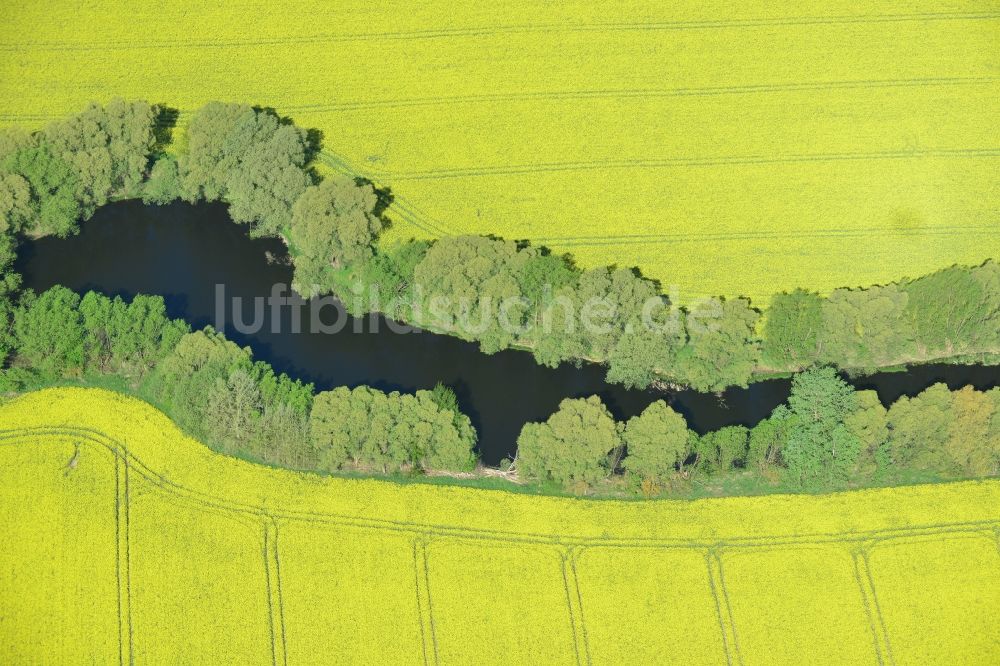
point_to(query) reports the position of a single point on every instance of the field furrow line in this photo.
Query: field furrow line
(122, 566)
(236, 510)
(501, 30)
(275, 599)
(640, 93)
(400, 207)
(686, 162)
(763, 234)
(866, 582)
(574, 602)
(424, 570)
(937, 232)
(423, 604)
(410, 213)
(723, 609)
(269, 593)
(618, 93)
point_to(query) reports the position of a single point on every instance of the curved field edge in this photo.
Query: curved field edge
(853, 159)
(155, 449)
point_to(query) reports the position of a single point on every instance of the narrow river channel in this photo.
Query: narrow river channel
(182, 252)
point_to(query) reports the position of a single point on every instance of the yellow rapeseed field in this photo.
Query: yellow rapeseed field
(125, 540)
(723, 147)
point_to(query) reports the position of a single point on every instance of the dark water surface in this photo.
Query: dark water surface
(181, 252)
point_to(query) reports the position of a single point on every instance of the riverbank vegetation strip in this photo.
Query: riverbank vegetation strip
(828, 436)
(862, 153)
(500, 293)
(61, 449)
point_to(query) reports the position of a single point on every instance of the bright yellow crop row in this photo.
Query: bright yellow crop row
(733, 148)
(125, 538)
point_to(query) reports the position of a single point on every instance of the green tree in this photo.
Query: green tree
(600, 316)
(768, 438)
(444, 397)
(7, 338)
(16, 214)
(191, 373)
(573, 447)
(792, 329)
(333, 225)
(464, 281)
(993, 436)
(868, 422)
(540, 276)
(647, 349)
(54, 186)
(955, 310)
(232, 409)
(364, 428)
(865, 328)
(75, 165)
(919, 427)
(656, 442)
(444, 437)
(722, 348)
(12, 140)
(127, 338)
(718, 451)
(108, 147)
(389, 277)
(283, 437)
(215, 390)
(969, 445)
(16, 211)
(249, 158)
(339, 423)
(164, 184)
(820, 447)
(49, 333)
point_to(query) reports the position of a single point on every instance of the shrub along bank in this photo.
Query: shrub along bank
(260, 164)
(827, 436)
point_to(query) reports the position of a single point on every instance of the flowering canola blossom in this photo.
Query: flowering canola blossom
(127, 540)
(737, 148)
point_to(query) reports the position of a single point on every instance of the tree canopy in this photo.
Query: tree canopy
(49, 332)
(248, 157)
(722, 348)
(573, 447)
(51, 179)
(333, 225)
(944, 430)
(656, 442)
(792, 329)
(367, 429)
(821, 449)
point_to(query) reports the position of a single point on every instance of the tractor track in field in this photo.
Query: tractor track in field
(641, 93)
(505, 30)
(408, 212)
(244, 511)
(935, 232)
(612, 93)
(857, 543)
(681, 163)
